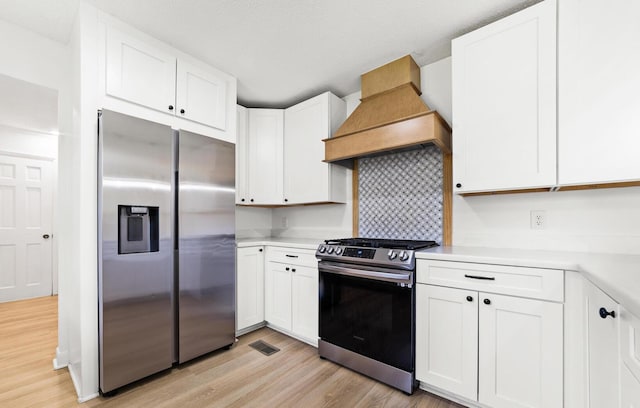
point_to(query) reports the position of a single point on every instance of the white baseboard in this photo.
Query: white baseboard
(61, 360)
(250, 329)
(311, 342)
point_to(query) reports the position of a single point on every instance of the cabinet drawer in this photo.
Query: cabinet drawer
(304, 257)
(630, 341)
(533, 283)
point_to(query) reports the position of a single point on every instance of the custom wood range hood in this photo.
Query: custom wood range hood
(391, 116)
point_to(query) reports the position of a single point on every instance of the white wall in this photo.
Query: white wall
(253, 222)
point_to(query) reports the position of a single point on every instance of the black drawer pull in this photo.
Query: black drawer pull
(603, 313)
(487, 302)
(479, 277)
(291, 256)
(469, 298)
(286, 269)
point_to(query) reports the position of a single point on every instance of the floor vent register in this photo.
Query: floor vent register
(264, 348)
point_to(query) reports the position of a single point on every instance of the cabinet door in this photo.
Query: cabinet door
(278, 295)
(504, 103)
(250, 287)
(242, 154)
(520, 352)
(447, 339)
(598, 65)
(140, 73)
(630, 389)
(304, 302)
(307, 179)
(602, 346)
(265, 156)
(201, 95)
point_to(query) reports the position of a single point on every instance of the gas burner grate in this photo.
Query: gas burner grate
(382, 243)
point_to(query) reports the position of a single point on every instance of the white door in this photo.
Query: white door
(201, 95)
(630, 389)
(140, 73)
(277, 299)
(242, 154)
(304, 302)
(266, 128)
(250, 287)
(25, 228)
(602, 345)
(519, 352)
(447, 339)
(504, 103)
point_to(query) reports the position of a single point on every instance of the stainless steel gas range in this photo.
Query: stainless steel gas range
(367, 307)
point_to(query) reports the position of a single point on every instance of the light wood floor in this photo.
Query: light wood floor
(241, 377)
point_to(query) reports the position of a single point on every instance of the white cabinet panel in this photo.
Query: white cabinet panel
(520, 358)
(602, 346)
(249, 287)
(306, 125)
(504, 103)
(265, 156)
(278, 295)
(304, 304)
(630, 341)
(201, 95)
(599, 85)
(447, 339)
(139, 72)
(630, 389)
(242, 154)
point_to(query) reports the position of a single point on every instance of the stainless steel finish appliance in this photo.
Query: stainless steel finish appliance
(367, 307)
(166, 261)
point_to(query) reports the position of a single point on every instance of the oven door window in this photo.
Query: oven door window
(369, 317)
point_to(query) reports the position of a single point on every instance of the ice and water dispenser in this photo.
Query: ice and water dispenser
(137, 229)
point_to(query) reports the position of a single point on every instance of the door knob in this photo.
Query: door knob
(469, 299)
(182, 111)
(45, 236)
(604, 313)
(487, 302)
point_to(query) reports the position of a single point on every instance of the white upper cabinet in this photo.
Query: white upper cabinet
(504, 103)
(242, 154)
(264, 158)
(201, 95)
(139, 72)
(306, 124)
(143, 77)
(599, 62)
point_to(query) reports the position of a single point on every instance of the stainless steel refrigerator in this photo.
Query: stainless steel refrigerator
(166, 247)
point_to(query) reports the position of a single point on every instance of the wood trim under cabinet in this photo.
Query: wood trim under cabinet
(559, 188)
(355, 209)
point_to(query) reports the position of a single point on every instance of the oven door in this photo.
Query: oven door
(369, 311)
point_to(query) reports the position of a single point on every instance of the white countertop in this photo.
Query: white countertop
(616, 274)
(301, 243)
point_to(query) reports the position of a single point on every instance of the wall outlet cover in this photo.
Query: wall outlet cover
(538, 219)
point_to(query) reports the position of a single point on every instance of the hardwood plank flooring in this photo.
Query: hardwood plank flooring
(241, 377)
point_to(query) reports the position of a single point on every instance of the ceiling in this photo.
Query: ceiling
(284, 51)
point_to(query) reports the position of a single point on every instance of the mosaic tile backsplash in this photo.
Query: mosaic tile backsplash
(400, 195)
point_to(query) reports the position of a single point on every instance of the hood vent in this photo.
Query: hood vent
(391, 116)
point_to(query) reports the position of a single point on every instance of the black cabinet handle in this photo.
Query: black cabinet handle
(286, 269)
(458, 185)
(469, 299)
(242, 199)
(603, 313)
(260, 250)
(45, 236)
(286, 201)
(182, 111)
(487, 302)
(479, 277)
(252, 200)
(293, 269)
(291, 256)
(170, 107)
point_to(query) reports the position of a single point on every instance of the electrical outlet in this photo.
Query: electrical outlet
(538, 219)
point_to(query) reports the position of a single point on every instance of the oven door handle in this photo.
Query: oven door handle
(368, 274)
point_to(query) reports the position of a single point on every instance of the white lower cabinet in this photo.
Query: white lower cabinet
(602, 319)
(630, 389)
(291, 293)
(492, 349)
(250, 287)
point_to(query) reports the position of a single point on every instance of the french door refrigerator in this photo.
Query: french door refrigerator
(166, 247)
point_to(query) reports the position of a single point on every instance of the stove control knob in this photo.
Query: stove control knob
(322, 249)
(404, 255)
(338, 251)
(330, 250)
(392, 254)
